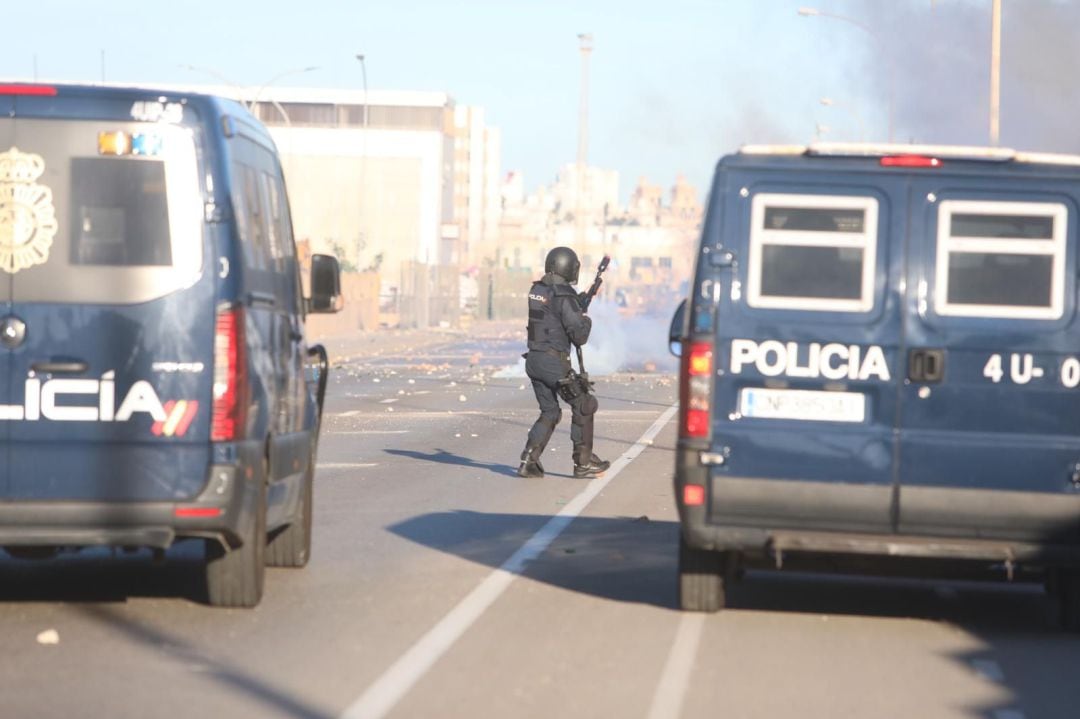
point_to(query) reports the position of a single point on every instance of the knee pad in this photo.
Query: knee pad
(589, 405)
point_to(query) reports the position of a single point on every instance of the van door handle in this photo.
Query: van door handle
(64, 367)
(926, 365)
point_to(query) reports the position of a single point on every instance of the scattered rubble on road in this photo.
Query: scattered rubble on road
(49, 637)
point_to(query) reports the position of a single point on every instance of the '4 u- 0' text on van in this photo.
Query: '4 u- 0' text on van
(881, 358)
(155, 383)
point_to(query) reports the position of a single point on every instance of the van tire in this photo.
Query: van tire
(291, 547)
(1067, 591)
(701, 579)
(235, 576)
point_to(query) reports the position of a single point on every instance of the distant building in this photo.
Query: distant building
(476, 184)
(383, 178)
(646, 202)
(685, 209)
(594, 188)
(651, 243)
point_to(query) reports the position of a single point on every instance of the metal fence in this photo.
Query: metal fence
(503, 293)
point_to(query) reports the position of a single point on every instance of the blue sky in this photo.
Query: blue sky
(674, 84)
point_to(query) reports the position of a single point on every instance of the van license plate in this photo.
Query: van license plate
(802, 404)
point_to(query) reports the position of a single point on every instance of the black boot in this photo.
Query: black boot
(530, 463)
(593, 468)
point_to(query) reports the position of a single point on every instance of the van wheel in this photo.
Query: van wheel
(235, 577)
(1067, 589)
(701, 579)
(291, 547)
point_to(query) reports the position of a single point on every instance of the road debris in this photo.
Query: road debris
(462, 398)
(49, 637)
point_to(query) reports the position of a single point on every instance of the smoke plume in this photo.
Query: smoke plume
(939, 55)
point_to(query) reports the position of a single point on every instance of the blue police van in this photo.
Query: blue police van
(156, 383)
(880, 358)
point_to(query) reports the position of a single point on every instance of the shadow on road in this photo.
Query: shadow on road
(624, 559)
(99, 584)
(634, 559)
(188, 655)
(441, 456)
(101, 575)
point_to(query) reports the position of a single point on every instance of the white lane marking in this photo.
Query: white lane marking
(988, 669)
(345, 465)
(671, 691)
(388, 400)
(384, 694)
(372, 431)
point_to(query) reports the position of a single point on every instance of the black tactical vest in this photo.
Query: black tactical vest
(546, 331)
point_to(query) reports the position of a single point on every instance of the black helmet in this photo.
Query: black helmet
(563, 261)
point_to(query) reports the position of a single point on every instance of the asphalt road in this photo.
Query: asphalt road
(442, 585)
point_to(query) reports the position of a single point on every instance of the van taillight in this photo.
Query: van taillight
(910, 161)
(230, 376)
(697, 370)
(33, 90)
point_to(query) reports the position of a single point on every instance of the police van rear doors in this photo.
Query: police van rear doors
(989, 411)
(809, 333)
(108, 392)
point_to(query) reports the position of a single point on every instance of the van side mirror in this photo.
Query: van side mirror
(325, 284)
(675, 332)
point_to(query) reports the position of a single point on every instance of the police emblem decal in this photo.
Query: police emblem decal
(27, 215)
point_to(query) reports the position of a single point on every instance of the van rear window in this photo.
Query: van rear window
(119, 212)
(114, 228)
(812, 252)
(1000, 259)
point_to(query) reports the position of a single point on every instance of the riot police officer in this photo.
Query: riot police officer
(556, 321)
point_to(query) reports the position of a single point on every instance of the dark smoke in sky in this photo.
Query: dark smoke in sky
(941, 54)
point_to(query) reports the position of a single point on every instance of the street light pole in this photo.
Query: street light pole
(363, 76)
(275, 78)
(240, 92)
(585, 46)
(219, 76)
(891, 67)
(363, 158)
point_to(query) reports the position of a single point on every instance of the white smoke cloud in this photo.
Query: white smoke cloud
(630, 343)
